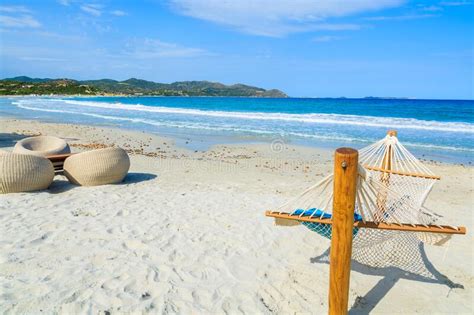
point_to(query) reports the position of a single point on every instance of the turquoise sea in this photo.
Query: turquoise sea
(442, 130)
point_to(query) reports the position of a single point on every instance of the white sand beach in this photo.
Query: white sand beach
(186, 233)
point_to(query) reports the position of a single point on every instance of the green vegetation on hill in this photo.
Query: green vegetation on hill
(28, 86)
(52, 87)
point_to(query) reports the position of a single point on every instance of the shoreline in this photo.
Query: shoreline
(204, 142)
(27, 127)
(192, 143)
(186, 232)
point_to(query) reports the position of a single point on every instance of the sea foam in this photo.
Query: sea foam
(314, 118)
(342, 128)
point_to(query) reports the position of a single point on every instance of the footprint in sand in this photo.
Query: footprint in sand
(41, 239)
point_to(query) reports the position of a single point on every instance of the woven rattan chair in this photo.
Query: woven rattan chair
(21, 173)
(97, 167)
(42, 146)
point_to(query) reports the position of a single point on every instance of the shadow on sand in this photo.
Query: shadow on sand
(415, 267)
(9, 139)
(138, 177)
(61, 184)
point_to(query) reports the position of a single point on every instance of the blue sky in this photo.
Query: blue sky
(330, 48)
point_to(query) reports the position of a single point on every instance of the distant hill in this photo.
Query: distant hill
(26, 86)
(28, 79)
(45, 87)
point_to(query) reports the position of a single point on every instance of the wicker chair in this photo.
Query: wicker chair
(42, 146)
(21, 173)
(97, 167)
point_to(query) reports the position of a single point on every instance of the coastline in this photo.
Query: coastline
(214, 121)
(186, 232)
(200, 142)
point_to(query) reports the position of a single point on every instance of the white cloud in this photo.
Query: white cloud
(60, 36)
(92, 9)
(57, 37)
(17, 16)
(455, 54)
(46, 59)
(118, 13)
(401, 17)
(64, 2)
(154, 48)
(14, 9)
(455, 3)
(19, 21)
(277, 17)
(432, 8)
(334, 27)
(326, 38)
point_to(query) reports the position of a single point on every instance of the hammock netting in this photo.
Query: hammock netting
(395, 196)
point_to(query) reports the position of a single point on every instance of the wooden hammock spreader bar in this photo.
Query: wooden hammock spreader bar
(445, 229)
(372, 168)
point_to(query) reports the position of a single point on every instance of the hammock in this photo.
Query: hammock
(391, 224)
(391, 189)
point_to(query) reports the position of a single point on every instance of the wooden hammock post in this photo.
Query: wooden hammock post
(345, 181)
